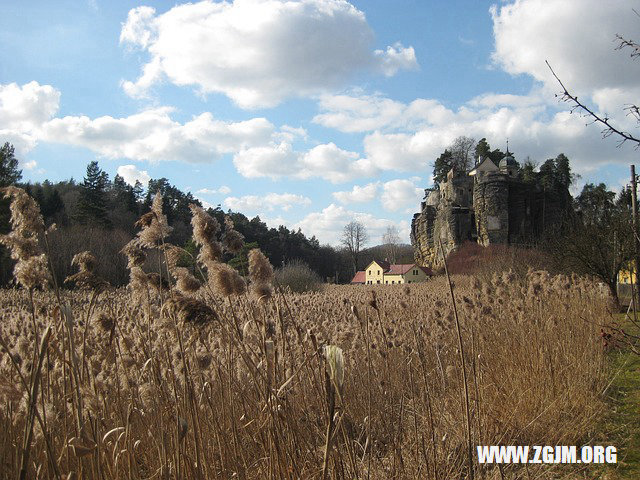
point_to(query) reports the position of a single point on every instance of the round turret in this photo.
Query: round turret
(509, 165)
(508, 161)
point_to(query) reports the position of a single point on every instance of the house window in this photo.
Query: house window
(415, 272)
(393, 281)
(378, 281)
(386, 282)
(369, 272)
(378, 272)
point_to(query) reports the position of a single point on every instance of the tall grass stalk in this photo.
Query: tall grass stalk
(462, 366)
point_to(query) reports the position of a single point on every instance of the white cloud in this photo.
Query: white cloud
(130, 174)
(268, 202)
(224, 190)
(409, 137)
(258, 52)
(23, 109)
(401, 194)
(30, 165)
(152, 135)
(26, 107)
(328, 224)
(365, 113)
(325, 161)
(358, 194)
(578, 40)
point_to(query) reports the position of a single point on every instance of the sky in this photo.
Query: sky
(311, 113)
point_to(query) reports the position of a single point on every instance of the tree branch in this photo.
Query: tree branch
(609, 129)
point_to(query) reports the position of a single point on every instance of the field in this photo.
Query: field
(245, 395)
(216, 379)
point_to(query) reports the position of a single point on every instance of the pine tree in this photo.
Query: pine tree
(9, 173)
(94, 197)
(442, 165)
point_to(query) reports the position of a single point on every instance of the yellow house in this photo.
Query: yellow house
(375, 272)
(627, 276)
(381, 272)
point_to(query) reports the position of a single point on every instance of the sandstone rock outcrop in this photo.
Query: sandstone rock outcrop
(488, 206)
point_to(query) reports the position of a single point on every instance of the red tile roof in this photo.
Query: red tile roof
(360, 277)
(401, 269)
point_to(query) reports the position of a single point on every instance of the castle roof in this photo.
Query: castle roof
(485, 165)
(508, 161)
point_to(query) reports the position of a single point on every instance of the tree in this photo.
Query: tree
(442, 165)
(458, 155)
(528, 171)
(354, 237)
(482, 150)
(391, 242)
(9, 173)
(599, 239)
(462, 150)
(93, 200)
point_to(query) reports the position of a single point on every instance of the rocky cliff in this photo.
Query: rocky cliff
(492, 207)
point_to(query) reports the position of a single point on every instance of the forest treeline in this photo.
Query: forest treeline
(98, 214)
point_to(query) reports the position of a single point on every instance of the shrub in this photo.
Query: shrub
(474, 259)
(298, 277)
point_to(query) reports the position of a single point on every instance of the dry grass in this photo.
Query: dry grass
(245, 394)
(147, 382)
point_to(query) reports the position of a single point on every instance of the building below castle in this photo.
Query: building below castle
(489, 205)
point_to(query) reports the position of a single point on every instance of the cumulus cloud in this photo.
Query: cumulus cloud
(268, 202)
(258, 52)
(410, 136)
(327, 225)
(131, 174)
(578, 40)
(23, 109)
(326, 161)
(401, 195)
(364, 113)
(358, 194)
(153, 135)
(224, 190)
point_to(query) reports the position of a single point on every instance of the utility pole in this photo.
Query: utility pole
(636, 243)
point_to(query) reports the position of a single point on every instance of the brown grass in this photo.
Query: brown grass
(217, 400)
(147, 382)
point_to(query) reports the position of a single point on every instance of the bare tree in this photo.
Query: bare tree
(608, 126)
(391, 242)
(462, 150)
(354, 237)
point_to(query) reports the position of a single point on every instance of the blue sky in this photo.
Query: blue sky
(309, 113)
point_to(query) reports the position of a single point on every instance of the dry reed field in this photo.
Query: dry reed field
(211, 375)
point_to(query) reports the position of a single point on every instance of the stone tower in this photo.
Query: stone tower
(491, 208)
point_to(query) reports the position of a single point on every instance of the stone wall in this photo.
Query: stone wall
(490, 201)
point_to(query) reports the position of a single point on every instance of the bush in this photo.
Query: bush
(474, 259)
(298, 277)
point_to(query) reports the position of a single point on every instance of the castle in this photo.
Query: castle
(489, 205)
